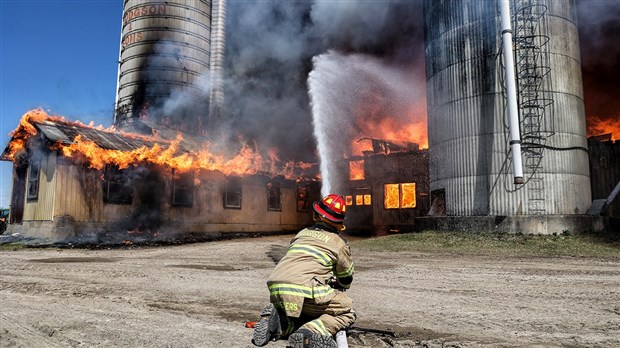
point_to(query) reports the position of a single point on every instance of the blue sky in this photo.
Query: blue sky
(60, 55)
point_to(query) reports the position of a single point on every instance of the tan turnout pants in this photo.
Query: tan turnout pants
(328, 318)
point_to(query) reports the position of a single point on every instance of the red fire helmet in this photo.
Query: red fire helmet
(332, 207)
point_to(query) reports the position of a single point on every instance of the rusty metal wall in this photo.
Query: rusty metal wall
(165, 47)
(468, 136)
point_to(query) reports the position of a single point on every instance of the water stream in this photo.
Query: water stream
(329, 101)
(351, 96)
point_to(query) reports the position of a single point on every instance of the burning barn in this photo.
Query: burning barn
(77, 183)
(387, 187)
(505, 148)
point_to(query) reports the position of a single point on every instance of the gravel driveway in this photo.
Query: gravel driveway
(201, 295)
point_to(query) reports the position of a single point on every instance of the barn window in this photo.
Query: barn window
(33, 180)
(399, 196)
(303, 203)
(356, 170)
(232, 193)
(117, 188)
(274, 197)
(363, 199)
(182, 189)
(348, 200)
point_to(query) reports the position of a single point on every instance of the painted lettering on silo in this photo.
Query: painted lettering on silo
(134, 14)
(164, 49)
(147, 10)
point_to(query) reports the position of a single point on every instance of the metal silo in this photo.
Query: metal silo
(165, 51)
(218, 44)
(471, 158)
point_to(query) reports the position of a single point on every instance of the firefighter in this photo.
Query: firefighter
(307, 299)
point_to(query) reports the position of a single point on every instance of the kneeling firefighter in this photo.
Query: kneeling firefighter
(307, 305)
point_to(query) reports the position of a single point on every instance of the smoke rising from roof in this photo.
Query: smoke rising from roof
(270, 45)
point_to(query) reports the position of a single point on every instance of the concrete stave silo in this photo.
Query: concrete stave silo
(165, 51)
(468, 135)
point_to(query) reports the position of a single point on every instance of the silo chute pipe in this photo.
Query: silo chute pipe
(511, 92)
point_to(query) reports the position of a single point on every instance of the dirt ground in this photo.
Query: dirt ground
(201, 295)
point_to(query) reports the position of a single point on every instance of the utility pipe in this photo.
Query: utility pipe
(613, 195)
(511, 91)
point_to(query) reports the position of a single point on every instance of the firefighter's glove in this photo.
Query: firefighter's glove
(333, 283)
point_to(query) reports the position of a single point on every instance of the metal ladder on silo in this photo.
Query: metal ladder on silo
(531, 71)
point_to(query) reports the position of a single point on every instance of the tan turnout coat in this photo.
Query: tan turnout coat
(313, 257)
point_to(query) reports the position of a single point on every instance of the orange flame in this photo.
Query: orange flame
(391, 196)
(391, 130)
(163, 153)
(599, 126)
(24, 131)
(356, 170)
(399, 196)
(374, 123)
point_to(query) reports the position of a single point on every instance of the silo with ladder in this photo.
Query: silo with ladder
(471, 159)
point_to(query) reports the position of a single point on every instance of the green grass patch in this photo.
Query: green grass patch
(11, 246)
(495, 244)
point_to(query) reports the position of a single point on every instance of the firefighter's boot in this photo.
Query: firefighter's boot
(304, 338)
(268, 327)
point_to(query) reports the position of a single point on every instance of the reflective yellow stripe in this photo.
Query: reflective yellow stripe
(322, 290)
(299, 290)
(318, 325)
(347, 272)
(290, 289)
(306, 249)
(290, 327)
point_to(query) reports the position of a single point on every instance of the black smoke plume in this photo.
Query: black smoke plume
(599, 25)
(269, 51)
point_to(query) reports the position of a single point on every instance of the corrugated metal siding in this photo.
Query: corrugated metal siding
(468, 138)
(218, 40)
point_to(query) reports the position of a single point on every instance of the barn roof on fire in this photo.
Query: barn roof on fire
(65, 133)
(62, 132)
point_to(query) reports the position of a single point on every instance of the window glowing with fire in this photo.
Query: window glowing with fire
(399, 196)
(359, 200)
(356, 170)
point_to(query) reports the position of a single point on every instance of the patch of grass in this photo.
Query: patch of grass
(11, 246)
(496, 244)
